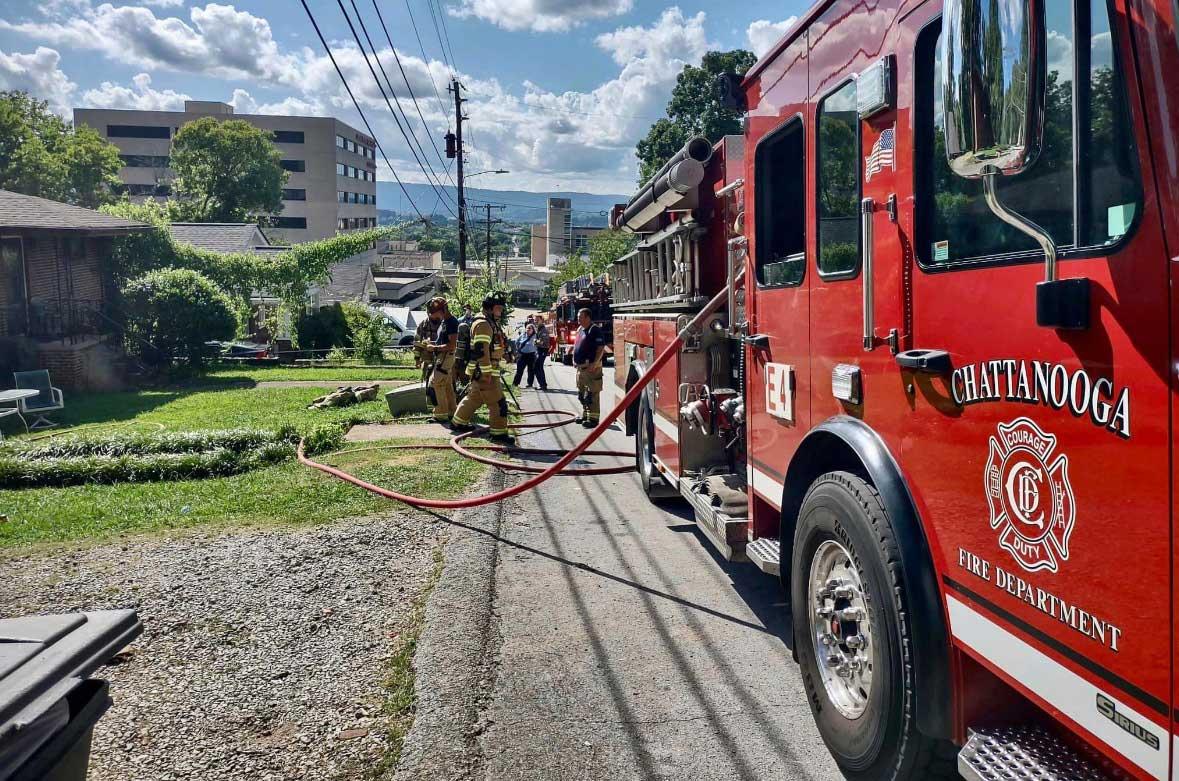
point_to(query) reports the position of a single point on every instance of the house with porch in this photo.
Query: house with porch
(54, 292)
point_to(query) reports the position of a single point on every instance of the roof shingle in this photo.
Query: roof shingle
(28, 212)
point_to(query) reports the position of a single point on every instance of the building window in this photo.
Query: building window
(838, 182)
(156, 190)
(341, 196)
(341, 224)
(779, 166)
(297, 166)
(341, 169)
(145, 161)
(294, 194)
(340, 142)
(137, 131)
(288, 136)
(289, 222)
(13, 310)
(1084, 189)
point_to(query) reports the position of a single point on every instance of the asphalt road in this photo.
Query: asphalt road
(626, 648)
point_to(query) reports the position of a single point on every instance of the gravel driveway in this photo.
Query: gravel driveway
(263, 651)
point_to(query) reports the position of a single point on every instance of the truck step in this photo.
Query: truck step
(1024, 752)
(727, 534)
(765, 552)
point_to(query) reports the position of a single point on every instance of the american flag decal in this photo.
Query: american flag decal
(881, 156)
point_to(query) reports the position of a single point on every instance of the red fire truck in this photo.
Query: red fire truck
(939, 400)
(579, 293)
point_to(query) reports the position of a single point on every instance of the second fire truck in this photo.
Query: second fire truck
(938, 401)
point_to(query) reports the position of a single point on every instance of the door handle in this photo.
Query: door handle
(926, 361)
(867, 206)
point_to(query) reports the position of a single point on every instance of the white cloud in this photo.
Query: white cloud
(164, 3)
(220, 40)
(571, 139)
(763, 34)
(540, 15)
(142, 97)
(37, 73)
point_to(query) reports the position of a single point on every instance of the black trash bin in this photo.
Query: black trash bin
(48, 703)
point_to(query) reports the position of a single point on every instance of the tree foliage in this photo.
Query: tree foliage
(171, 313)
(41, 154)
(227, 170)
(369, 332)
(286, 275)
(694, 109)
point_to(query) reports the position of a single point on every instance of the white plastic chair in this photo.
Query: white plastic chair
(49, 399)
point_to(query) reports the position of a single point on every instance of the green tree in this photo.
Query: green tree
(227, 171)
(42, 154)
(171, 313)
(694, 109)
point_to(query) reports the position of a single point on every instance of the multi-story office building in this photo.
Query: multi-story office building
(333, 169)
(557, 238)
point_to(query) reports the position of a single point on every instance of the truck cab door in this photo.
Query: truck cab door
(777, 286)
(1039, 458)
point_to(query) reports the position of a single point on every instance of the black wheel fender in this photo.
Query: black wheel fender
(843, 442)
(631, 416)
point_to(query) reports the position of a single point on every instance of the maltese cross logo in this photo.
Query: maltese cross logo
(1031, 500)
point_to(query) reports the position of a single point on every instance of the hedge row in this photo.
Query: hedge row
(136, 458)
(237, 440)
(76, 470)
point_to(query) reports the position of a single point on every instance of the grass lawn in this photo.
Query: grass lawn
(284, 494)
(255, 374)
(194, 408)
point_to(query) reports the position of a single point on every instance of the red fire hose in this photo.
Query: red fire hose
(548, 472)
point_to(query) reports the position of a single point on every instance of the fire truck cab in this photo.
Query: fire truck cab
(938, 400)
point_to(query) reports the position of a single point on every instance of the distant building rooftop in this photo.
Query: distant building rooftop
(223, 237)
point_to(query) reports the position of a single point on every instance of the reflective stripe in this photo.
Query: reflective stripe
(765, 486)
(666, 427)
(460, 421)
(498, 430)
(1057, 685)
(480, 339)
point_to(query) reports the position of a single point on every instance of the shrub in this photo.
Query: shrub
(234, 440)
(171, 313)
(370, 333)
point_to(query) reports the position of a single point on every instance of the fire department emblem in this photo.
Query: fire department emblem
(1031, 501)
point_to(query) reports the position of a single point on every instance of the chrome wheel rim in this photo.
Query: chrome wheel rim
(644, 448)
(840, 629)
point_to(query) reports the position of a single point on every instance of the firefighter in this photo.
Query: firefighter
(488, 345)
(442, 350)
(423, 358)
(588, 349)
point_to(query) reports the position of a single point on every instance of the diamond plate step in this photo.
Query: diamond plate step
(1029, 753)
(765, 553)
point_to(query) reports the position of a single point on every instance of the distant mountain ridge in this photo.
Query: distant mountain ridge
(589, 209)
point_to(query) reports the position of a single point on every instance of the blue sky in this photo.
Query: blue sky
(560, 90)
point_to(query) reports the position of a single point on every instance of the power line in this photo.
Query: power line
(408, 86)
(445, 32)
(598, 213)
(360, 111)
(582, 113)
(377, 79)
(426, 59)
(438, 32)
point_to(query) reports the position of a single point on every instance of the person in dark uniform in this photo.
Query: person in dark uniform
(442, 349)
(542, 352)
(589, 347)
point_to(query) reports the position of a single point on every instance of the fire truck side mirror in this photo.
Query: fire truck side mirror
(994, 90)
(728, 89)
(994, 86)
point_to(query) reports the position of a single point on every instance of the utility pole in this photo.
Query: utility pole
(454, 149)
(489, 207)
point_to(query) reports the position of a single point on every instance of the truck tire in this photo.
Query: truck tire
(654, 486)
(851, 630)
